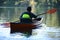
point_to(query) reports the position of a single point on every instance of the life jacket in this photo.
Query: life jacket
(26, 16)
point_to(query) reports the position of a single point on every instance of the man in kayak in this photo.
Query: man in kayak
(26, 17)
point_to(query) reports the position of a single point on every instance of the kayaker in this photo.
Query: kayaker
(26, 17)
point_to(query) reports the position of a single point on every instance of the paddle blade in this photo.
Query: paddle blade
(51, 11)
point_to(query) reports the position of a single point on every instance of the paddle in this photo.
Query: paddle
(51, 11)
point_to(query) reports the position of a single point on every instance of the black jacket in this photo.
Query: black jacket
(23, 20)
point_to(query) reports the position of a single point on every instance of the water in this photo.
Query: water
(42, 33)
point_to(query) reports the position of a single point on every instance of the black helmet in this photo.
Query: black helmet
(29, 9)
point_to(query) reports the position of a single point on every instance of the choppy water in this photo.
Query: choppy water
(43, 33)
